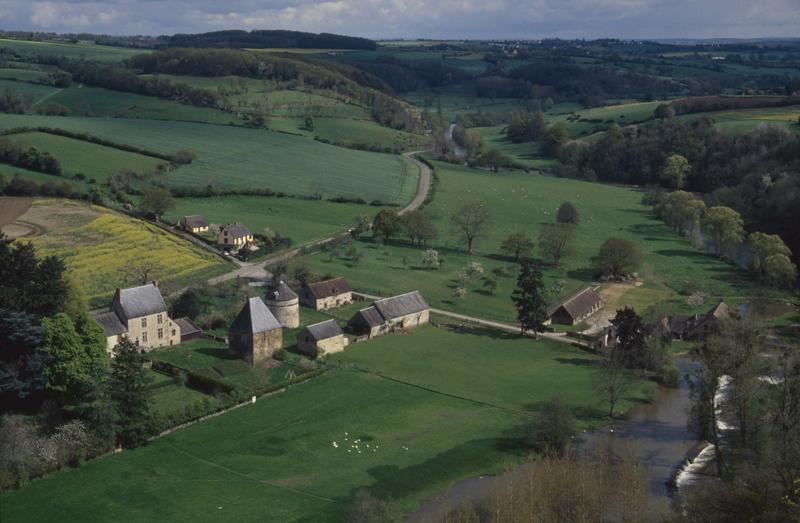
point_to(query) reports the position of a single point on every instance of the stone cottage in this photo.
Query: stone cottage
(194, 223)
(321, 338)
(694, 326)
(402, 312)
(326, 294)
(255, 334)
(284, 305)
(577, 308)
(234, 236)
(140, 314)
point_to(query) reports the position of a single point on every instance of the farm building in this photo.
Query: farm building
(140, 314)
(235, 236)
(255, 334)
(577, 308)
(189, 330)
(194, 223)
(321, 338)
(284, 304)
(402, 312)
(694, 326)
(326, 294)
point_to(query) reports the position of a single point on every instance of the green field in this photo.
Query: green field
(26, 75)
(523, 202)
(84, 50)
(276, 460)
(299, 219)
(234, 157)
(94, 101)
(525, 154)
(92, 160)
(37, 92)
(98, 245)
(745, 120)
(8, 171)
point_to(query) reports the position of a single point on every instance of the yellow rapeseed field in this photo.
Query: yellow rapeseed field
(98, 246)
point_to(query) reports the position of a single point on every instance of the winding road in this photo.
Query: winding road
(258, 270)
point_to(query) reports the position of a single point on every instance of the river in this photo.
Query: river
(657, 433)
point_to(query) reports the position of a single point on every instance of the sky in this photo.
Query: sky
(471, 19)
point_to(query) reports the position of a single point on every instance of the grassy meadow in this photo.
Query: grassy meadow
(97, 245)
(83, 100)
(277, 460)
(92, 160)
(234, 157)
(80, 50)
(524, 202)
(299, 219)
(37, 92)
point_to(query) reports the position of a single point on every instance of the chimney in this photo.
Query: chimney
(155, 283)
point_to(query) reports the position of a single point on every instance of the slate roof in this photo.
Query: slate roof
(328, 288)
(402, 305)
(324, 330)
(187, 326)
(139, 301)
(580, 304)
(110, 323)
(255, 317)
(194, 220)
(237, 230)
(369, 317)
(280, 292)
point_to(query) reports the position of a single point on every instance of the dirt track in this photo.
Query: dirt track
(12, 208)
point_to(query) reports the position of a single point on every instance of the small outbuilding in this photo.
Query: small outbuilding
(577, 308)
(189, 329)
(326, 294)
(321, 338)
(284, 304)
(255, 334)
(194, 223)
(403, 312)
(694, 326)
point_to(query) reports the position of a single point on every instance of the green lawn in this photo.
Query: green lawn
(235, 157)
(169, 396)
(276, 460)
(90, 159)
(349, 132)
(299, 219)
(523, 202)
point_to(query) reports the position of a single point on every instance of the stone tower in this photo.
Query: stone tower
(284, 304)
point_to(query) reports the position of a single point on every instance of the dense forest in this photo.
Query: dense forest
(263, 39)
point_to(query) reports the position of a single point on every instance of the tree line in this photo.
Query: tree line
(756, 173)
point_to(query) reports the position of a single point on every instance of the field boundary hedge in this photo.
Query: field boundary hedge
(85, 137)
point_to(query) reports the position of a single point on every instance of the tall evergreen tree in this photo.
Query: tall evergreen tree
(530, 299)
(130, 394)
(631, 337)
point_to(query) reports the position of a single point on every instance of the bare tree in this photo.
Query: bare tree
(614, 379)
(141, 271)
(471, 221)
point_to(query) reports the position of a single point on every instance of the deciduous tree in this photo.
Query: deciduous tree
(725, 227)
(675, 170)
(471, 221)
(567, 213)
(517, 244)
(418, 226)
(156, 201)
(386, 225)
(617, 258)
(556, 241)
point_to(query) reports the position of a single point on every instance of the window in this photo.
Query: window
(160, 320)
(144, 323)
(173, 332)
(160, 333)
(144, 337)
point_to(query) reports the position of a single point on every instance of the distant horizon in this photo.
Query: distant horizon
(415, 19)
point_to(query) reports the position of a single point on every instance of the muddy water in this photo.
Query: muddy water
(656, 433)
